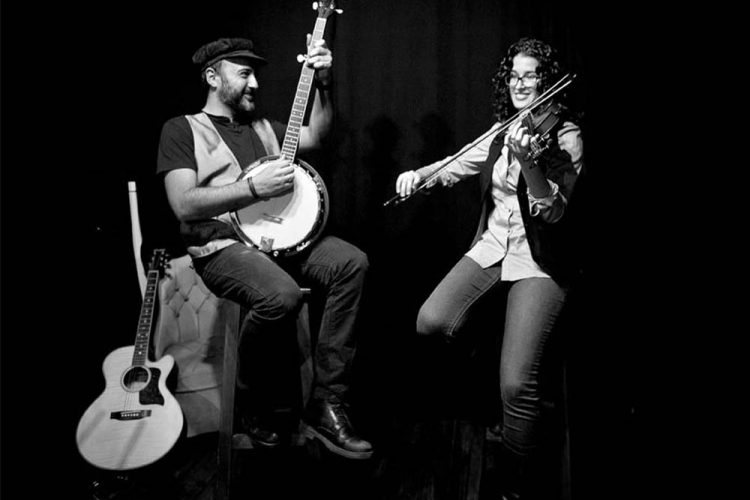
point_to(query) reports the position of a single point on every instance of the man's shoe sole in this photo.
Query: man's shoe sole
(310, 433)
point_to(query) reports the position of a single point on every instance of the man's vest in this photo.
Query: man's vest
(217, 166)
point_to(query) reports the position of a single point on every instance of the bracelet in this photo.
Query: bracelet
(252, 188)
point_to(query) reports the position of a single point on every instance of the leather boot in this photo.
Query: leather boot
(328, 422)
(259, 433)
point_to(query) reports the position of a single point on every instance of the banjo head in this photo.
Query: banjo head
(288, 223)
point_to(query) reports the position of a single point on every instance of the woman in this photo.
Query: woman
(525, 246)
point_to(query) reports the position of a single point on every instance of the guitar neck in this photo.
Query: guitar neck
(145, 319)
(293, 129)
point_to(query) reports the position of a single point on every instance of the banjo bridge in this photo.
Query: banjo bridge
(272, 218)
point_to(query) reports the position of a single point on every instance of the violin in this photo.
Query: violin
(543, 124)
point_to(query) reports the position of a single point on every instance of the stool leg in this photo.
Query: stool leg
(304, 341)
(566, 472)
(226, 424)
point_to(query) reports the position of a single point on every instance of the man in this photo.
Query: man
(201, 157)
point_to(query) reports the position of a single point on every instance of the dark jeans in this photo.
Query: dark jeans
(532, 307)
(269, 291)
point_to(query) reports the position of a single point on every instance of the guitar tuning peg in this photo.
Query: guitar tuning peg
(301, 58)
(315, 6)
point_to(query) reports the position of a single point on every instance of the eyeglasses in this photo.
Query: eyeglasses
(528, 79)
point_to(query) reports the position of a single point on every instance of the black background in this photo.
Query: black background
(85, 91)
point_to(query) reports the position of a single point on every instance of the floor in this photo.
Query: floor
(427, 460)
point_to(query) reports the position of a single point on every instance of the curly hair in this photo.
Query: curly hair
(549, 70)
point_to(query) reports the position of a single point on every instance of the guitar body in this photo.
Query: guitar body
(136, 420)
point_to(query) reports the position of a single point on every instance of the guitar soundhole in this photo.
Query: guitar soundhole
(136, 378)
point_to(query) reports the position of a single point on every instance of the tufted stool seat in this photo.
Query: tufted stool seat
(191, 326)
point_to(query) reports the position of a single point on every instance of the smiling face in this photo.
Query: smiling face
(523, 81)
(237, 85)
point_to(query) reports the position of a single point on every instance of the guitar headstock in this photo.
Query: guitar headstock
(158, 261)
(325, 8)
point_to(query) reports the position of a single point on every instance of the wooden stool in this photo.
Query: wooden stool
(229, 441)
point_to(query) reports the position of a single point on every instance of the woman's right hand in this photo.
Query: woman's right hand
(273, 177)
(407, 183)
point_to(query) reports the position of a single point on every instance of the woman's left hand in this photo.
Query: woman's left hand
(518, 140)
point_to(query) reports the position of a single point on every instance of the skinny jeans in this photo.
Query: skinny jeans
(532, 307)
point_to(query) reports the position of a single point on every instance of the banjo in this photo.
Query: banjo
(287, 224)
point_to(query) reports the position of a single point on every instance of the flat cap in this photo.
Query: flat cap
(224, 48)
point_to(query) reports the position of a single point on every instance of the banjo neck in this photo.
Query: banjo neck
(304, 86)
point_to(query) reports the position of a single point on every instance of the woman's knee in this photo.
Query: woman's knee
(431, 323)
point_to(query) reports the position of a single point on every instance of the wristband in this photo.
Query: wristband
(252, 188)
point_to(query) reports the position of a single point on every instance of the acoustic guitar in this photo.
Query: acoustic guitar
(136, 420)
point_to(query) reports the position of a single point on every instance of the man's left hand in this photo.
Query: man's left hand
(320, 58)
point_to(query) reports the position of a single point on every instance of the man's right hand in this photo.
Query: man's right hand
(273, 177)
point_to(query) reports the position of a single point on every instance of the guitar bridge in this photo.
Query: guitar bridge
(130, 414)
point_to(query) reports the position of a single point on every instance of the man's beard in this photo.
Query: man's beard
(234, 99)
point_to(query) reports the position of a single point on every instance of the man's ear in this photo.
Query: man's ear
(211, 76)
